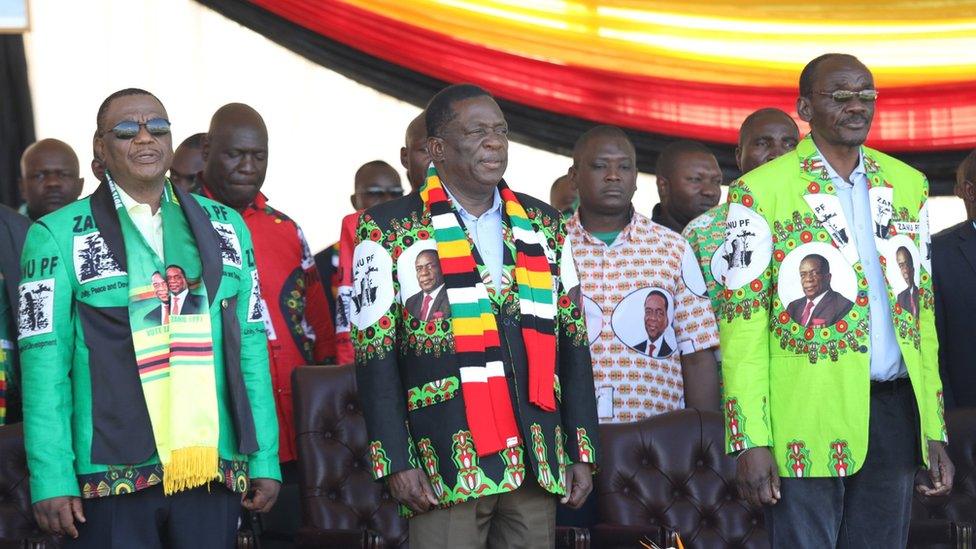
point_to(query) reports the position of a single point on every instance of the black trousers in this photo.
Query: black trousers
(198, 518)
(871, 508)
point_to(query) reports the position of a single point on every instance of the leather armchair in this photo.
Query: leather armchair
(671, 471)
(948, 521)
(341, 504)
(17, 526)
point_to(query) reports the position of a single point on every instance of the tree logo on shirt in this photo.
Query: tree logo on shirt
(93, 259)
(36, 308)
(230, 246)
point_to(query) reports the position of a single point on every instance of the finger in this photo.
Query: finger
(260, 500)
(764, 491)
(67, 520)
(42, 520)
(569, 486)
(77, 510)
(948, 475)
(775, 485)
(580, 491)
(428, 492)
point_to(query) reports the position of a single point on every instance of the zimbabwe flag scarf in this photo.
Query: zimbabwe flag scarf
(487, 404)
(169, 315)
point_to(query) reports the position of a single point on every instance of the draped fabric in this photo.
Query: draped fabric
(16, 115)
(558, 67)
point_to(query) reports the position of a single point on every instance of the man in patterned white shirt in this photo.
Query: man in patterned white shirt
(650, 324)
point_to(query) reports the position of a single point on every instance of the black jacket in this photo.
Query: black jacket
(953, 276)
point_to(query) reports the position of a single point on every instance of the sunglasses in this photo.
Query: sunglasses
(843, 96)
(127, 129)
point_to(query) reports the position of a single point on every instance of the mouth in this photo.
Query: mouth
(147, 157)
(492, 164)
(855, 124)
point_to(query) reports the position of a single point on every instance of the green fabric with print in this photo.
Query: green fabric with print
(7, 381)
(804, 389)
(705, 234)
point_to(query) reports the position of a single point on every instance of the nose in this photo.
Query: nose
(143, 136)
(613, 174)
(247, 165)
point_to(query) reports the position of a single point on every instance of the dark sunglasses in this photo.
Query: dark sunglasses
(127, 129)
(843, 96)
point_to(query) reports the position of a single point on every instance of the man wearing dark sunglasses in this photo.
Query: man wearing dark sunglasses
(49, 177)
(375, 182)
(293, 305)
(143, 427)
(830, 420)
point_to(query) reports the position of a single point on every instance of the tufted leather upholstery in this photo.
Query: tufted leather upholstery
(671, 470)
(959, 507)
(339, 496)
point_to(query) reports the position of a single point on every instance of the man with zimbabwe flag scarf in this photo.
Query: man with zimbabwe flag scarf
(147, 405)
(480, 418)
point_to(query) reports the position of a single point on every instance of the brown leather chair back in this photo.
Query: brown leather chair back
(960, 505)
(671, 470)
(337, 489)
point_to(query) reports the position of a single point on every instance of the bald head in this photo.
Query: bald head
(375, 183)
(49, 177)
(764, 135)
(601, 133)
(413, 154)
(235, 155)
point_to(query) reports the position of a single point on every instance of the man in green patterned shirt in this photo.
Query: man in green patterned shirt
(764, 135)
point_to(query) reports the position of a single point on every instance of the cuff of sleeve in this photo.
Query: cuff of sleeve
(264, 468)
(52, 488)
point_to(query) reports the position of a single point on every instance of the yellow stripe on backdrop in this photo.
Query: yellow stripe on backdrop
(748, 42)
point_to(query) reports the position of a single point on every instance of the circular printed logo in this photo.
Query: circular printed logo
(817, 285)
(372, 292)
(594, 319)
(642, 321)
(691, 273)
(747, 249)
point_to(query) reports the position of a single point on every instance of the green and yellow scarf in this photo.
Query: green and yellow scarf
(174, 352)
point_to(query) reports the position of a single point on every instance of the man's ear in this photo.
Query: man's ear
(98, 146)
(22, 185)
(403, 157)
(435, 148)
(663, 188)
(804, 108)
(354, 202)
(573, 174)
(738, 158)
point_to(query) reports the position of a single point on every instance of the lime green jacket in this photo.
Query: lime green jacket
(87, 428)
(804, 390)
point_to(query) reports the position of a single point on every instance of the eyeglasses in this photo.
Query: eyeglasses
(843, 96)
(127, 129)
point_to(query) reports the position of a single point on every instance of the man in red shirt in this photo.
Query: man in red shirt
(296, 314)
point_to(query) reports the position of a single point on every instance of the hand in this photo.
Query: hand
(58, 515)
(412, 488)
(757, 478)
(262, 495)
(938, 481)
(579, 484)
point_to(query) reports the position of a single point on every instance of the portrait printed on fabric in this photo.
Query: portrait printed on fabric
(643, 321)
(169, 293)
(422, 289)
(902, 259)
(817, 285)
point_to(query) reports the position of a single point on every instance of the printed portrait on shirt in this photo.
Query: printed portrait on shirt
(422, 289)
(902, 260)
(170, 292)
(642, 321)
(817, 285)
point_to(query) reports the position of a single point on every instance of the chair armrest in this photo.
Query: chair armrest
(361, 538)
(925, 532)
(569, 537)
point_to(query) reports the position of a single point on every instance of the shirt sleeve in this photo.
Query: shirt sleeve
(317, 313)
(374, 333)
(575, 368)
(254, 365)
(694, 321)
(745, 334)
(933, 409)
(46, 344)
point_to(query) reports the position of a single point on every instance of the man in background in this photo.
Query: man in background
(764, 135)
(187, 163)
(49, 177)
(295, 313)
(563, 195)
(689, 182)
(952, 275)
